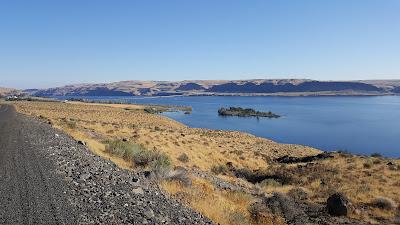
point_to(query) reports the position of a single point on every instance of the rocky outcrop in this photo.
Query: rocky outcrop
(290, 159)
(396, 90)
(337, 205)
(190, 87)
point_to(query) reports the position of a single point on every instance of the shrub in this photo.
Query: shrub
(270, 183)
(284, 205)
(138, 154)
(117, 147)
(183, 158)
(256, 210)
(237, 218)
(377, 161)
(160, 160)
(376, 155)
(218, 169)
(180, 175)
(298, 194)
(71, 124)
(383, 203)
(368, 164)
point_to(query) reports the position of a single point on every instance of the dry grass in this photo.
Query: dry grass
(223, 207)
(362, 179)
(204, 147)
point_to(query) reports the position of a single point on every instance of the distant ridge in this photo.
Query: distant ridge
(218, 87)
(7, 91)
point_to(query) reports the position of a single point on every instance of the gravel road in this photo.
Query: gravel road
(46, 177)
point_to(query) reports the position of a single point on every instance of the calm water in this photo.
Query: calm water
(361, 125)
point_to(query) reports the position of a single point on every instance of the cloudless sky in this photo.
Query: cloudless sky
(54, 42)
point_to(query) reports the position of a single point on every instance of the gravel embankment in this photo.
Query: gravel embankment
(96, 190)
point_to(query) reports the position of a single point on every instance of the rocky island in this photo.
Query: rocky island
(242, 112)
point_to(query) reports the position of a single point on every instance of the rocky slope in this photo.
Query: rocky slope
(217, 87)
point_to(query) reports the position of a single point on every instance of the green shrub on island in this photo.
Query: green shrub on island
(242, 112)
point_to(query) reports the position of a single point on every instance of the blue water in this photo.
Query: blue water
(361, 125)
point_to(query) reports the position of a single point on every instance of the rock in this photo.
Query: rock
(289, 159)
(337, 205)
(149, 213)
(138, 191)
(85, 176)
(147, 174)
(82, 143)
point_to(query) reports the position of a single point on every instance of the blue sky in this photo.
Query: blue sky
(54, 42)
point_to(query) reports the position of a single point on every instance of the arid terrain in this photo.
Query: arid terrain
(233, 177)
(6, 91)
(284, 87)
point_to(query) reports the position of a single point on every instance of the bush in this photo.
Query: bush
(138, 154)
(270, 183)
(160, 160)
(118, 148)
(237, 218)
(183, 158)
(376, 155)
(368, 164)
(298, 194)
(219, 169)
(180, 175)
(71, 124)
(257, 210)
(383, 203)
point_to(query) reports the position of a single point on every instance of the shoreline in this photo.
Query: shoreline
(279, 94)
(354, 152)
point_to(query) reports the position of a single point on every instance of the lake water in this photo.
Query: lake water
(361, 125)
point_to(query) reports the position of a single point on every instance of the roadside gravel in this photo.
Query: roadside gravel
(97, 191)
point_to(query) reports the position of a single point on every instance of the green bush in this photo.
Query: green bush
(117, 147)
(138, 154)
(376, 155)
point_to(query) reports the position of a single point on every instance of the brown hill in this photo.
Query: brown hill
(225, 87)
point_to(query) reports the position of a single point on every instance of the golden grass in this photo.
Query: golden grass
(223, 207)
(360, 178)
(204, 147)
(98, 148)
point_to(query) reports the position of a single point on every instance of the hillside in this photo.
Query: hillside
(6, 91)
(231, 177)
(218, 87)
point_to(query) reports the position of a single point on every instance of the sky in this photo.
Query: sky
(45, 43)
